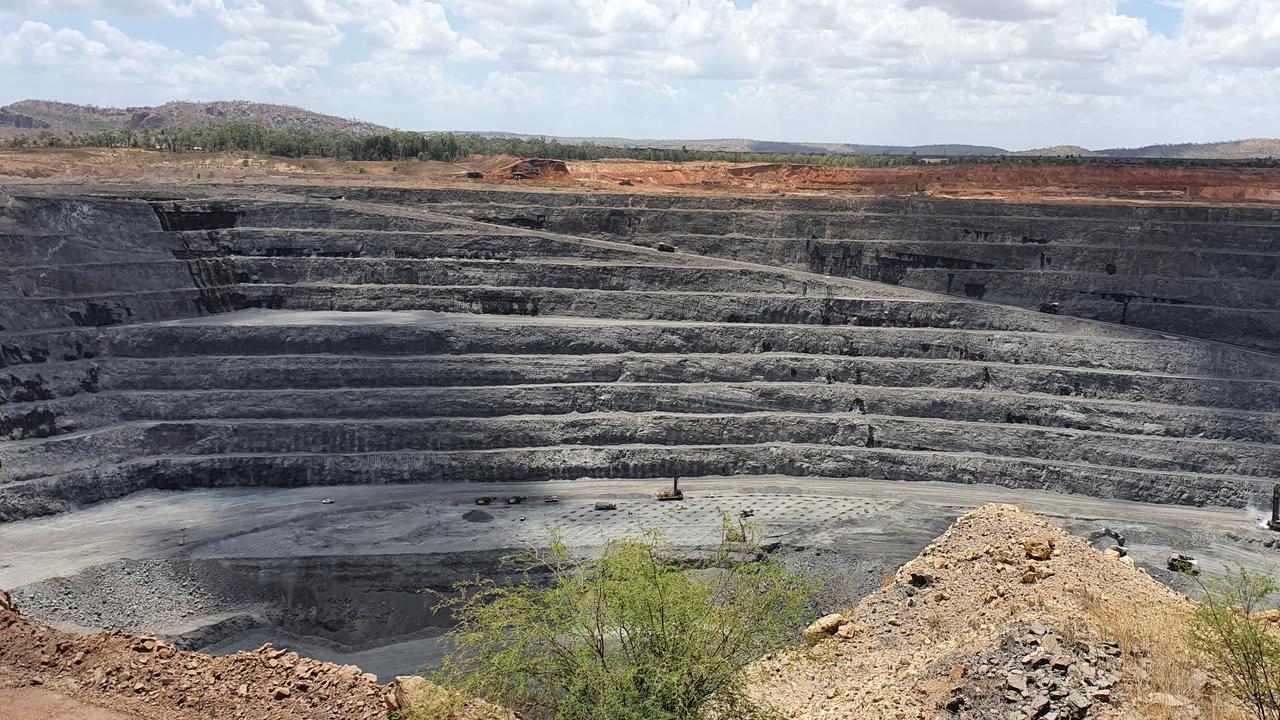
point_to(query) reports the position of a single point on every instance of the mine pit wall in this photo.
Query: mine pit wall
(96, 404)
(62, 381)
(127, 443)
(94, 262)
(1204, 272)
(50, 495)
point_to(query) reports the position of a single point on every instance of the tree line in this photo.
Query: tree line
(450, 147)
(402, 145)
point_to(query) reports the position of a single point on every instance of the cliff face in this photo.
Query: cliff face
(1198, 271)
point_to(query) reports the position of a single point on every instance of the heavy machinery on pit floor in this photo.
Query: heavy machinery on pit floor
(675, 493)
(1274, 522)
(1183, 564)
(1108, 532)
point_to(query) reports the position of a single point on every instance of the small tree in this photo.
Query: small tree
(1243, 646)
(632, 635)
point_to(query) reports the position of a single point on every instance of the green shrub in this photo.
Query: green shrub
(1241, 643)
(632, 635)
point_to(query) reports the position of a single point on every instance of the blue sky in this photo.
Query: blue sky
(1160, 16)
(1011, 73)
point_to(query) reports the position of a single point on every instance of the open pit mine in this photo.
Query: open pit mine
(239, 414)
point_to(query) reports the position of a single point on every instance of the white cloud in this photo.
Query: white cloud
(997, 9)
(121, 7)
(1234, 32)
(294, 26)
(1005, 72)
(418, 26)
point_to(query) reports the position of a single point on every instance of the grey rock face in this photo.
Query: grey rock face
(425, 336)
(1204, 272)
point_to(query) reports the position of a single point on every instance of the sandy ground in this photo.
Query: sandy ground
(35, 703)
(1130, 184)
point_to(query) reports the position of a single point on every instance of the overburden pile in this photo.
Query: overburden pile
(1003, 616)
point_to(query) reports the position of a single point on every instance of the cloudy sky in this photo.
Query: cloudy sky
(1011, 73)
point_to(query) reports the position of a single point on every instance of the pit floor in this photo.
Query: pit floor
(856, 519)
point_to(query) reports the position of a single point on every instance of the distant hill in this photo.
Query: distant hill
(745, 145)
(854, 149)
(34, 116)
(1233, 150)
(1058, 151)
(66, 117)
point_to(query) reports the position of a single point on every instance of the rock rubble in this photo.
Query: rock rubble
(145, 674)
(1036, 672)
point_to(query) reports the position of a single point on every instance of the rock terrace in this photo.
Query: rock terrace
(395, 336)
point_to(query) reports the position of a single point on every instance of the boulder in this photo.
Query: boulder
(823, 628)
(1038, 547)
(408, 689)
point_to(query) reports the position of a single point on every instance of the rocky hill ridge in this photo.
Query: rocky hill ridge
(69, 117)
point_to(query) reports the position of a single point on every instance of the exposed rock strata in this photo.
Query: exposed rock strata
(213, 341)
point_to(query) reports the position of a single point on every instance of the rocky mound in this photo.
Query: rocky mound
(1003, 616)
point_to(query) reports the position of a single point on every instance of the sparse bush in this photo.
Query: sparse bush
(632, 635)
(1231, 627)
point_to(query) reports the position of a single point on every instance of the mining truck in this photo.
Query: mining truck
(1183, 564)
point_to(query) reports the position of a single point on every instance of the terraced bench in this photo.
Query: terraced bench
(406, 337)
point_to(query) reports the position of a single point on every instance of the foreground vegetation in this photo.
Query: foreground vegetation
(632, 635)
(1236, 629)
